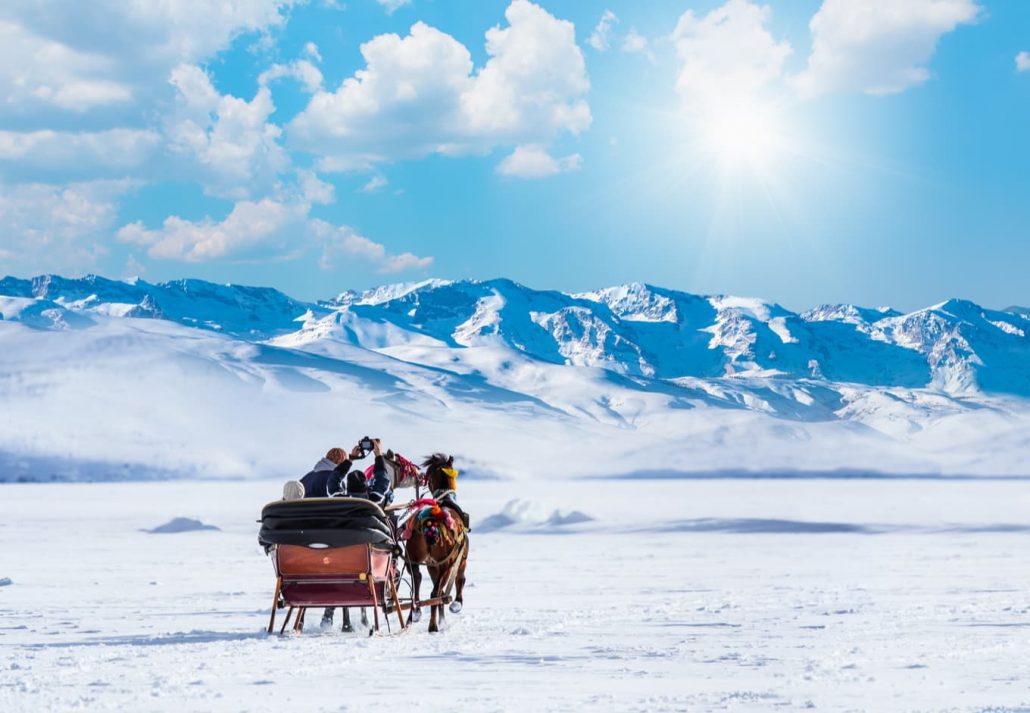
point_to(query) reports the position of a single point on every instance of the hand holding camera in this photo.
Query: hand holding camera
(367, 444)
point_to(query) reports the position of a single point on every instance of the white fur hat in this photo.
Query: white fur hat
(293, 490)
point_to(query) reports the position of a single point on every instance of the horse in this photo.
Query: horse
(447, 557)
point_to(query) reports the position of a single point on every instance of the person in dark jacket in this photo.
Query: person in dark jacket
(327, 477)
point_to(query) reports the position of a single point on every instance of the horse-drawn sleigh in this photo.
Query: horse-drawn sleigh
(349, 552)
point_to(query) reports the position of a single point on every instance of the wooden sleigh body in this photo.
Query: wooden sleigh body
(330, 552)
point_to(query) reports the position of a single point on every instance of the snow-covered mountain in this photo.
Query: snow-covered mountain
(707, 381)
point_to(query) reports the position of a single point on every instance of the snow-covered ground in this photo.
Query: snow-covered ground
(742, 595)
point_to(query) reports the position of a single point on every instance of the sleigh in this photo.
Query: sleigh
(330, 552)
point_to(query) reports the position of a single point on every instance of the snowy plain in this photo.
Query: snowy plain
(712, 594)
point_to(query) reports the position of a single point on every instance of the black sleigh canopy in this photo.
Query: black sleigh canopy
(326, 522)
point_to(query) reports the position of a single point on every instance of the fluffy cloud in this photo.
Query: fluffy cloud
(80, 56)
(342, 244)
(418, 95)
(252, 230)
(109, 88)
(301, 70)
(1023, 62)
(534, 162)
(268, 229)
(229, 140)
(47, 227)
(727, 53)
(86, 81)
(878, 46)
(634, 42)
(62, 152)
(600, 38)
(36, 70)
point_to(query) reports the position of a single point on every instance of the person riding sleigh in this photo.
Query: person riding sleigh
(442, 477)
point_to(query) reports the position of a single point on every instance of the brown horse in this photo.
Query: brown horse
(446, 558)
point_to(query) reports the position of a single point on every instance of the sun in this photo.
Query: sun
(741, 135)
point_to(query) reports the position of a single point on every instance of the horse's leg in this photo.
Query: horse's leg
(457, 604)
(416, 582)
(364, 617)
(442, 591)
(434, 573)
(346, 620)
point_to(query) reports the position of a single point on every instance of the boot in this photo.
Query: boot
(327, 619)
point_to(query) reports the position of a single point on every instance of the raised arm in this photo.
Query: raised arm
(380, 476)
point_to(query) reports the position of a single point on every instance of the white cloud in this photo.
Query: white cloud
(113, 150)
(532, 161)
(311, 52)
(39, 70)
(1023, 62)
(418, 95)
(392, 6)
(600, 38)
(266, 230)
(729, 52)
(302, 70)
(634, 42)
(229, 139)
(342, 245)
(134, 268)
(252, 230)
(79, 56)
(374, 184)
(878, 46)
(310, 189)
(46, 227)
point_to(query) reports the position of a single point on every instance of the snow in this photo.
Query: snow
(715, 594)
(529, 516)
(180, 524)
(779, 326)
(635, 302)
(1009, 328)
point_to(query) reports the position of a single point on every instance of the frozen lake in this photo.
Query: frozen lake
(704, 595)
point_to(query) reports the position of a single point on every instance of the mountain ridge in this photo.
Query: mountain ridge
(192, 377)
(636, 329)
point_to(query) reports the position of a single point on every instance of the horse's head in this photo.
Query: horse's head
(434, 465)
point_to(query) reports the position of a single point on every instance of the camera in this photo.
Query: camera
(366, 444)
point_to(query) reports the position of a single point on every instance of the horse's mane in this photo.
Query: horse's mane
(433, 463)
(437, 460)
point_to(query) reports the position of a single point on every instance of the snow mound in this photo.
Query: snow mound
(5, 582)
(526, 513)
(181, 524)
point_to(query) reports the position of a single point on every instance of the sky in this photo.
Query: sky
(805, 152)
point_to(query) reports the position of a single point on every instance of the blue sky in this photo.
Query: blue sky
(808, 151)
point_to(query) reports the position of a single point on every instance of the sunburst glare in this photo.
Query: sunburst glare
(744, 134)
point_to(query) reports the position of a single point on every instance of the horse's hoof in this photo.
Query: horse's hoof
(347, 628)
(455, 607)
(433, 629)
(416, 616)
